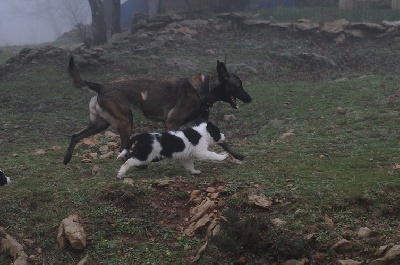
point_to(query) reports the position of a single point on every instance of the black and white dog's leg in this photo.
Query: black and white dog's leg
(4, 180)
(128, 164)
(227, 148)
(208, 155)
(189, 166)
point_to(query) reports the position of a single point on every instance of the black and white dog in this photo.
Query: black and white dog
(182, 145)
(3, 179)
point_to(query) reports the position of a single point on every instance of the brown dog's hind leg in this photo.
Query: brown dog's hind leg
(94, 127)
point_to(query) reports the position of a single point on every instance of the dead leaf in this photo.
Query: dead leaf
(287, 134)
(90, 141)
(396, 166)
(329, 222)
(39, 152)
(261, 201)
(199, 252)
(55, 148)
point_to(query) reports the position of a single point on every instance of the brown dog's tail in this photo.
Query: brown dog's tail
(77, 79)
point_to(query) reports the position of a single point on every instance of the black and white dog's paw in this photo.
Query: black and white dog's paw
(4, 180)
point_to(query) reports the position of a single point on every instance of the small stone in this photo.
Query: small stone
(380, 251)
(364, 232)
(348, 262)
(106, 155)
(343, 246)
(210, 190)
(278, 222)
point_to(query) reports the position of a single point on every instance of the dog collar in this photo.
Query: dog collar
(205, 89)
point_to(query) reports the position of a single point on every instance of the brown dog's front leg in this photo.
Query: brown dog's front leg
(227, 148)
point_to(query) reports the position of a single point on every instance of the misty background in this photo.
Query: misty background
(39, 21)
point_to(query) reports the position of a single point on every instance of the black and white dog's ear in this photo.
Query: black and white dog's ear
(214, 131)
(223, 74)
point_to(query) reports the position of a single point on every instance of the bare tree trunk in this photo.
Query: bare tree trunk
(116, 17)
(99, 30)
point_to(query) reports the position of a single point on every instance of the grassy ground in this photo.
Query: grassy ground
(325, 152)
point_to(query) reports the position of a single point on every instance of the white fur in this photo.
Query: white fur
(200, 151)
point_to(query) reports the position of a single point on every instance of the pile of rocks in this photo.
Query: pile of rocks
(338, 30)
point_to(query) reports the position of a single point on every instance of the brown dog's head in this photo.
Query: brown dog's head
(232, 87)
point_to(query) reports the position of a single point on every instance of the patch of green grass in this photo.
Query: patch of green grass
(338, 161)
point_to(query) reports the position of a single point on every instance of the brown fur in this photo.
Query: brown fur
(175, 101)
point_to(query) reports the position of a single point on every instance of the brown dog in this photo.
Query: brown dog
(175, 101)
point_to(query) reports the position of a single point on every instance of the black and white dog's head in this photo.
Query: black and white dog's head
(214, 132)
(3, 179)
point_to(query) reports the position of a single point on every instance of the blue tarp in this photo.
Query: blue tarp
(131, 7)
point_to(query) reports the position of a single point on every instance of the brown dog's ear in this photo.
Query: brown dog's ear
(223, 74)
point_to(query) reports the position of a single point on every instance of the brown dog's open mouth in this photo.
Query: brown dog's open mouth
(233, 103)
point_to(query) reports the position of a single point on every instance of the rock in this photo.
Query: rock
(379, 252)
(256, 23)
(392, 256)
(197, 212)
(317, 60)
(343, 246)
(306, 25)
(363, 232)
(106, 155)
(232, 16)
(196, 23)
(167, 17)
(28, 242)
(340, 39)
(296, 262)
(71, 232)
(229, 118)
(103, 149)
(211, 227)
(368, 26)
(348, 262)
(334, 28)
(83, 261)
(282, 25)
(278, 222)
(395, 24)
(200, 225)
(356, 33)
(195, 196)
(111, 135)
(75, 48)
(53, 52)
(181, 63)
(260, 200)
(10, 246)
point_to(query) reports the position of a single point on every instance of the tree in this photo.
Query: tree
(116, 17)
(99, 30)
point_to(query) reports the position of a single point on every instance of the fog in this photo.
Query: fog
(39, 21)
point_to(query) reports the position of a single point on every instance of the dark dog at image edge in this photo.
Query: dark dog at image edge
(174, 101)
(4, 180)
(182, 145)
